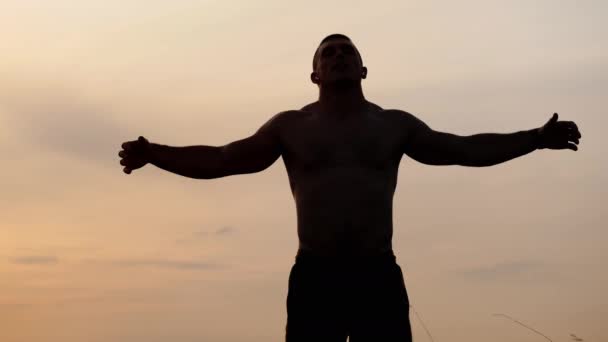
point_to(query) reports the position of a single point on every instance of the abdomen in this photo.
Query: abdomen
(345, 211)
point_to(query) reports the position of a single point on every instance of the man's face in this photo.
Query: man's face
(337, 60)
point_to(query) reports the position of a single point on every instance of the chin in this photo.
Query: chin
(343, 81)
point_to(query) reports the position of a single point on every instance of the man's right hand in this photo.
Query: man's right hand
(135, 154)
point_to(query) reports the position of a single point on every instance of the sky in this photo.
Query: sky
(88, 253)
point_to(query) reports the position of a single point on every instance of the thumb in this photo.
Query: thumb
(553, 118)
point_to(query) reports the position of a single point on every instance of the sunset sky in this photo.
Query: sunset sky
(88, 253)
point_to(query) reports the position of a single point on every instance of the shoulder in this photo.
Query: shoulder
(311, 107)
(410, 125)
(404, 118)
(375, 107)
(397, 113)
(290, 116)
(281, 120)
(284, 116)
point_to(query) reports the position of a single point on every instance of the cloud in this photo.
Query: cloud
(56, 118)
(526, 269)
(128, 295)
(35, 260)
(10, 307)
(207, 234)
(168, 264)
(226, 230)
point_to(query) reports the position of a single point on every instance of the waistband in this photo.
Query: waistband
(307, 257)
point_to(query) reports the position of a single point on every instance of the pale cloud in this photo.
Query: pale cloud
(10, 307)
(519, 270)
(207, 234)
(168, 264)
(35, 260)
(224, 231)
(60, 119)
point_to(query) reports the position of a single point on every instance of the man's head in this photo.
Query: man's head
(337, 60)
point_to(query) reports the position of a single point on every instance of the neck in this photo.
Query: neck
(341, 99)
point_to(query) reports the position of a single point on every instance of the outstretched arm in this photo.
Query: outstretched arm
(438, 148)
(252, 154)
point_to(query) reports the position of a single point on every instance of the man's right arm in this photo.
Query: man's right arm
(249, 155)
(200, 162)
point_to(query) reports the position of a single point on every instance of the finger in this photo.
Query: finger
(141, 139)
(573, 127)
(562, 130)
(570, 124)
(575, 140)
(574, 133)
(121, 154)
(565, 126)
(126, 146)
(553, 118)
(123, 162)
(127, 170)
(572, 147)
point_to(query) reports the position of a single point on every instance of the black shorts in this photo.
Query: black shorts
(330, 299)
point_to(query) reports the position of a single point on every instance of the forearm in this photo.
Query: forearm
(488, 149)
(200, 162)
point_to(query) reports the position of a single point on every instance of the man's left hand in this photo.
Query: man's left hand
(559, 135)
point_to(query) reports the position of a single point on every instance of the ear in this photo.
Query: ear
(363, 72)
(314, 78)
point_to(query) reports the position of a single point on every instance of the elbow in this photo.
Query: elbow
(205, 174)
(473, 154)
(476, 164)
(216, 167)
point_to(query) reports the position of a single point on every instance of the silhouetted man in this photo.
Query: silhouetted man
(342, 155)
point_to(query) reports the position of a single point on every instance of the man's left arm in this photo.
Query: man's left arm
(486, 149)
(493, 148)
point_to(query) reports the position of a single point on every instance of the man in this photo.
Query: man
(342, 155)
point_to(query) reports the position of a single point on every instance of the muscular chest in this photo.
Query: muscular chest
(368, 142)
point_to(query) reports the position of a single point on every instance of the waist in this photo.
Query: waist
(309, 257)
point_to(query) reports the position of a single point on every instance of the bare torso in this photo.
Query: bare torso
(343, 174)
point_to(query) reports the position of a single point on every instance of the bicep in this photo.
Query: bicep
(254, 153)
(431, 147)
